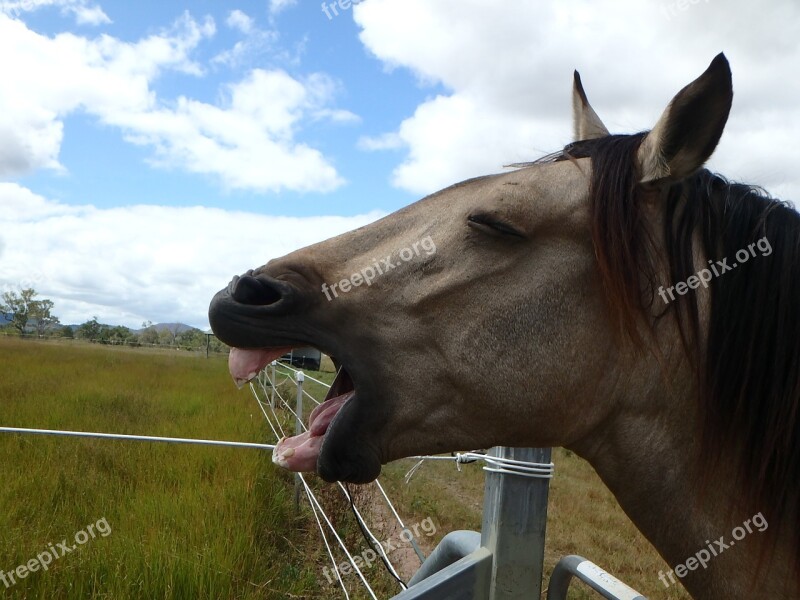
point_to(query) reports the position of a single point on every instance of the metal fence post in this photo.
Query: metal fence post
(274, 383)
(514, 522)
(298, 429)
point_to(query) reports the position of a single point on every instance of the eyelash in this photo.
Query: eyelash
(493, 226)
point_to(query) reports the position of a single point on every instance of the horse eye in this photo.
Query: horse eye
(492, 226)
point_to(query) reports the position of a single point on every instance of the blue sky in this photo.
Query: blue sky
(151, 150)
(105, 170)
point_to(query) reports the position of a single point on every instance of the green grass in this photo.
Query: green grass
(186, 522)
(205, 522)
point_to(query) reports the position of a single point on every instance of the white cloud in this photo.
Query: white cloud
(247, 140)
(384, 141)
(136, 263)
(507, 79)
(90, 15)
(84, 12)
(239, 21)
(256, 43)
(276, 6)
(53, 77)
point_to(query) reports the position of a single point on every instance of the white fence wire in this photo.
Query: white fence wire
(283, 373)
(265, 387)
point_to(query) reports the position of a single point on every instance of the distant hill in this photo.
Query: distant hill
(171, 327)
(159, 327)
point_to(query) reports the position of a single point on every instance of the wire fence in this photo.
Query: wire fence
(266, 389)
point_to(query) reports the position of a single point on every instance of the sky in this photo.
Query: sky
(151, 150)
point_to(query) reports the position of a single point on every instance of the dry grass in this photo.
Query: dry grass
(326, 364)
(583, 518)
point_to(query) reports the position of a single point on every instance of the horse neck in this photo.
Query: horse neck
(647, 454)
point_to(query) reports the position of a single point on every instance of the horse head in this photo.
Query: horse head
(473, 317)
(563, 303)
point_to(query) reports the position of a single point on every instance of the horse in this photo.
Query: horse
(641, 311)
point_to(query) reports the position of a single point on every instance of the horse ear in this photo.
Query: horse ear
(586, 123)
(690, 128)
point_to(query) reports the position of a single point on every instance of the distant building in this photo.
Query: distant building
(305, 358)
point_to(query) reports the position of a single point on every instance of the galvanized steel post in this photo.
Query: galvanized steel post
(514, 523)
(298, 429)
(274, 383)
(510, 561)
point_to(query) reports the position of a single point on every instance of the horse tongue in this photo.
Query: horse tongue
(300, 453)
(244, 365)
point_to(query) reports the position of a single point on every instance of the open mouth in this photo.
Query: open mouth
(299, 453)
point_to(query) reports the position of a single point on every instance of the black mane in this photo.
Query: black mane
(748, 366)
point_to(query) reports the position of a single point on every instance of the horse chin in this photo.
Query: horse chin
(344, 455)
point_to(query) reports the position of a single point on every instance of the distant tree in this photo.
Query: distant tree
(67, 332)
(192, 338)
(90, 330)
(117, 335)
(40, 311)
(174, 331)
(149, 334)
(18, 307)
(165, 337)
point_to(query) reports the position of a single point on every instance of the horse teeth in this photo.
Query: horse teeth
(280, 457)
(240, 383)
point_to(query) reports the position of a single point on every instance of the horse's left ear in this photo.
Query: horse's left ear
(585, 121)
(690, 128)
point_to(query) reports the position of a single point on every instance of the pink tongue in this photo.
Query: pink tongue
(244, 365)
(300, 453)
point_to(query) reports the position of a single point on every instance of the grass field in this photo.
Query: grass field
(194, 522)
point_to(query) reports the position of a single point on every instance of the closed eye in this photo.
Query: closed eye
(492, 226)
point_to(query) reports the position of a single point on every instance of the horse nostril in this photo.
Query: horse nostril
(254, 291)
